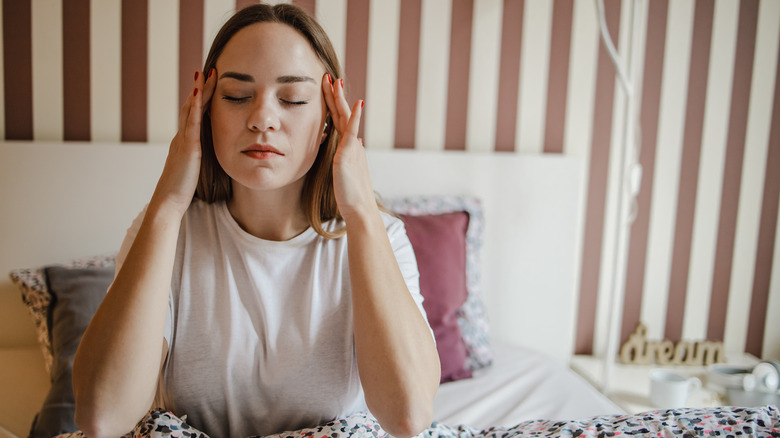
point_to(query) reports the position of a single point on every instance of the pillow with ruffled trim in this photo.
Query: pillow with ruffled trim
(472, 315)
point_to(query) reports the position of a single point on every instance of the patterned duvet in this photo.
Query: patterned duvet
(721, 422)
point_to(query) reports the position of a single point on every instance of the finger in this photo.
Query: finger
(208, 88)
(192, 127)
(327, 93)
(192, 130)
(184, 112)
(342, 107)
(337, 114)
(354, 120)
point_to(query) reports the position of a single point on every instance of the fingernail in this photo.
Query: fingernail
(196, 75)
(195, 93)
(342, 83)
(211, 72)
(362, 102)
(330, 79)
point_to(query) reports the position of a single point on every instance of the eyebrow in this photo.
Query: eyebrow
(243, 77)
(287, 79)
(290, 79)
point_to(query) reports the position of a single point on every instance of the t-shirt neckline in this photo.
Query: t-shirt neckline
(303, 238)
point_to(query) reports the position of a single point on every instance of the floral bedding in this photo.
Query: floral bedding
(721, 422)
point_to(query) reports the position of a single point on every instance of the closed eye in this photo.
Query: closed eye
(243, 99)
(294, 102)
(235, 99)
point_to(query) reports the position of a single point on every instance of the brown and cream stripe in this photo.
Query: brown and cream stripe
(492, 76)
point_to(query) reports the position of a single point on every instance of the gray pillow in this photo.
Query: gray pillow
(76, 296)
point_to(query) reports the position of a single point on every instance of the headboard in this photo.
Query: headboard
(62, 201)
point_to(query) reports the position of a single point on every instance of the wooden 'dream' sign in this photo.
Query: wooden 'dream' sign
(639, 351)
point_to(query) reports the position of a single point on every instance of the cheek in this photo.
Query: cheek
(216, 133)
(307, 127)
(218, 119)
(309, 138)
(223, 125)
(314, 137)
(220, 134)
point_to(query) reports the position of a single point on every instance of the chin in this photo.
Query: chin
(266, 184)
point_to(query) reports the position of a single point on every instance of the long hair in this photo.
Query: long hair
(317, 198)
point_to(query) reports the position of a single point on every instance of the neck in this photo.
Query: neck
(272, 215)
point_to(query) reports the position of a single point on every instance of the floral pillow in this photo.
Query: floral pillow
(38, 298)
(62, 300)
(472, 315)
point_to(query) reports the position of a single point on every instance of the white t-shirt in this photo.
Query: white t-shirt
(260, 333)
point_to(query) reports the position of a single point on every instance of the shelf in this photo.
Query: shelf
(630, 384)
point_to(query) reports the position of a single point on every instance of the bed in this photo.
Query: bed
(73, 201)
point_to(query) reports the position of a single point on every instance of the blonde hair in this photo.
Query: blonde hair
(317, 198)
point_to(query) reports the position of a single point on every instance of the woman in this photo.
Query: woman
(262, 275)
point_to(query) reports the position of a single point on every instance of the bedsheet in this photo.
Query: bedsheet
(723, 422)
(522, 384)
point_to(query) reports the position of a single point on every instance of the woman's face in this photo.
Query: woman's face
(267, 112)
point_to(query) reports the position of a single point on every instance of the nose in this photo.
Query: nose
(264, 115)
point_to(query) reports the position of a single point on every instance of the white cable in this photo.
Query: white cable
(628, 184)
(612, 51)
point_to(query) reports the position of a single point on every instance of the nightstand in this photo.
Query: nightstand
(630, 386)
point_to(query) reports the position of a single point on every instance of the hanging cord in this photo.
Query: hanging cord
(612, 51)
(635, 175)
(629, 177)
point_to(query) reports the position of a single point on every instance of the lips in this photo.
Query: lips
(262, 151)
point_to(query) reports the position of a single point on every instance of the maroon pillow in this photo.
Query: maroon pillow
(439, 243)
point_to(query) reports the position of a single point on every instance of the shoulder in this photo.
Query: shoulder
(390, 219)
(202, 212)
(393, 224)
(396, 229)
(199, 206)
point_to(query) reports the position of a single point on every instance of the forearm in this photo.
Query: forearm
(397, 358)
(117, 364)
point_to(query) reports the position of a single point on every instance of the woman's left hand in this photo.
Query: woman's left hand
(396, 354)
(351, 180)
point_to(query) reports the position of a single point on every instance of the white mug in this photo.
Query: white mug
(669, 390)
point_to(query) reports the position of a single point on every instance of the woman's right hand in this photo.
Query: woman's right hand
(179, 178)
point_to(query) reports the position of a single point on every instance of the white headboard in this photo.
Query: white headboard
(61, 201)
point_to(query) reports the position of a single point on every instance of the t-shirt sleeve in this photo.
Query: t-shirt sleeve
(130, 236)
(404, 255)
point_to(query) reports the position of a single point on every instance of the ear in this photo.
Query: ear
(326, 129)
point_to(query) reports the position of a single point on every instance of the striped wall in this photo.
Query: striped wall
(495, 76)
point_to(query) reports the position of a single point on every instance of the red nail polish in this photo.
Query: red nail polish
(362, 102)
(342, 83)
(330, 79)
(196, 75)
(211, 72)
(195, 93)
